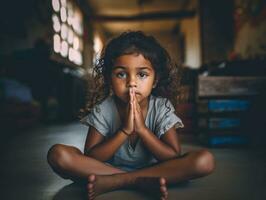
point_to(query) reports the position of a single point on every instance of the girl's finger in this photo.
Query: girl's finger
(138, 107)
(131, 101)
(134, 98)
(131, 94)
(136, 103)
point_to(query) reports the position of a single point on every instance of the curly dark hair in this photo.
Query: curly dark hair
(134, 42)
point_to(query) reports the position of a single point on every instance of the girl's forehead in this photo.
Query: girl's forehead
(128, 59)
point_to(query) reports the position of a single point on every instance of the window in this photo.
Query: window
(68, 30)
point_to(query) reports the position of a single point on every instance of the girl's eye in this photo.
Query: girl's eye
(142, 75)
(121, 75)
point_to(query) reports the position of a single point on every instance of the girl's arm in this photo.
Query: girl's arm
(100, 148)
(166, 148)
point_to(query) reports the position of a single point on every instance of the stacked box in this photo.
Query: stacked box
(223, 104)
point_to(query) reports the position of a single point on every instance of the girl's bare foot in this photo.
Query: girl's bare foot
(98, 184)
(155, 186)
(95, 187)
(91, 186)
(151, 185)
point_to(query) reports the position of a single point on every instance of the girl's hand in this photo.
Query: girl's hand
(129, 121)
(139, 122)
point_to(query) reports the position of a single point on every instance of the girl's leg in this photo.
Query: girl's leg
(70, 163)
(190, 166)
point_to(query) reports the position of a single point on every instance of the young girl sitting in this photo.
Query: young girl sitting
(132, 140)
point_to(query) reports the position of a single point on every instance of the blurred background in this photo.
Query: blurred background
(48, 48)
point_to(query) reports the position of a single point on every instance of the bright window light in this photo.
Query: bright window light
(70, 36)
(97, 47)
(77, 23)
(56, 23)
(76, 43)
(56, 5)
(57, 43)
(64, 49)
(97, 44)
(71, 54)
(63, 14)
(64, 30)
(63, 3)
(68, 30)
(78, 58)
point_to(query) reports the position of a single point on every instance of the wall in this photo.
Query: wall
(169, 41)
(217, 29)
(23, 22)
(192, 46)
(250, 28)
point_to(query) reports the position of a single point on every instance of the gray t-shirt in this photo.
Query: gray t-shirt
(160, 118)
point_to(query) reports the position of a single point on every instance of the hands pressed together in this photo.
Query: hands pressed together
(134, 122)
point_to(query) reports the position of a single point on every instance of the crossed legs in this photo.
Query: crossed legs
(70, 163)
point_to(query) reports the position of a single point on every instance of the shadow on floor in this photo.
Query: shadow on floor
(70, 192)
(78, 192)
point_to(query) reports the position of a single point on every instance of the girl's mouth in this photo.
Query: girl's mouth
(127, 95)
(136, 92)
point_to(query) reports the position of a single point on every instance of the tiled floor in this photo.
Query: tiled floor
(25, 174)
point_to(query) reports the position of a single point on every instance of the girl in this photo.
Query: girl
(132, 140)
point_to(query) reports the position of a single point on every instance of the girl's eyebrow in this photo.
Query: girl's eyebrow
(147, 68)
(118, 67)
(138, 68)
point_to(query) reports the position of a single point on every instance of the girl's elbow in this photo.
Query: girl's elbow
(176, 152)
(171, 155)
(90, 154)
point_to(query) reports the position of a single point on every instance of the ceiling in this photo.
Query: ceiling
(147, 15)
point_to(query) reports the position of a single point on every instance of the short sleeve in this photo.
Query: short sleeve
(96, 119)
(166, 118)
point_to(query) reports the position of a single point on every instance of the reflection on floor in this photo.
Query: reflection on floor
(25, 174)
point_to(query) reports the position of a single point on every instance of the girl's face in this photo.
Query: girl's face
(132, 71)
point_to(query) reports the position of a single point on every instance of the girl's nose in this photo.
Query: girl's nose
(132, 82)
